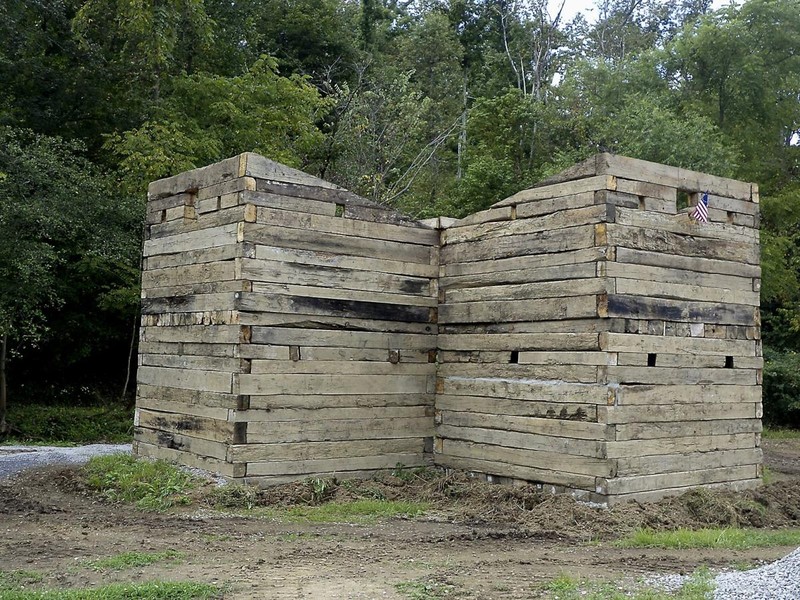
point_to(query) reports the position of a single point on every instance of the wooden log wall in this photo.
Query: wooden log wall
(595, 338)
(289, 327)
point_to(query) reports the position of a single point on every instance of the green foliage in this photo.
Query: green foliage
(728, 538)
(150, 485)
(154, 590)
(428, 589)
(135, 559)
(20, 578)
(699, 586)
(65, 424)
(770, 433)
(781, 394)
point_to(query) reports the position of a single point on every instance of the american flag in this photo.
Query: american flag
(700, 213)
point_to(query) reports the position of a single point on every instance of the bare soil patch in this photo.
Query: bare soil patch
(477, 541)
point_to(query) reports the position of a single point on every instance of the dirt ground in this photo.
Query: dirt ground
(477, 541)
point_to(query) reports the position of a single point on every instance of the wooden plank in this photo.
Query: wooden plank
(679, 276)
(543, 309)
(574, 326)
(627, 485)
(652, 413)
(209, 334)
(665, 309)
(700, 293)
(680, 445)
(225, 188)
(191, 289)
(567, 188)
(570, 480)
(529, 441)
(568, 373)
(673, 463)
(657, 240)
(211, 317)
(289, 321)
(336, 225)
(340, 261)
(183, 443)
(322, 450)
(191, 379)
(656, 495)
(310, 401)
(492, 231)
(200, 427)
(538, 243)
(684, 225)
(275, 272)
(212, 465)
(193, 303)
(625, 342)
(279, 415)
(530, 275)
(678, 376)
(576, 431)
(564, 358)
(526, 291)
(288, 336)
(202, 363)
(338, 465)
(551, 461)
(182, 408)
(336, 293)
(340, 430)
(303, 239)
(520, 389)
(673, 360)
(519, 408)
(652, 394)
(349, 309)
(519, 341)
(289, 203)
(196, 257)
(212, 220)
(684, 179)
(363, 354)
(193, 240)
(255, 165)
(689, 263)
(647, 189)
(309, 365)
(160, 204)
(200, 398)
(677, 429)
(194, 179)
(333, 384)
(546, 206)
(485, 216)
(525, 263)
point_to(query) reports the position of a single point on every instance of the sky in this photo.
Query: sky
(573, 7)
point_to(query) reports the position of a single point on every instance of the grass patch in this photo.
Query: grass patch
(424, 590)
(565, 587)
(149, 484)
(64, 425)
(729, 538)
(359, 511)
(780, 434)
(129, 560)
(154, 590)
(19, 578)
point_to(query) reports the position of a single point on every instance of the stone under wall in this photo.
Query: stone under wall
(585, 334)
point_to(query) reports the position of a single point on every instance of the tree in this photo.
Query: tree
(57, 215)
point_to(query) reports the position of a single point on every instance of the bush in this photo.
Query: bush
(781, 392)
(70, 424)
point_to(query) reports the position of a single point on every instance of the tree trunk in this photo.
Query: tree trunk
(3, 390)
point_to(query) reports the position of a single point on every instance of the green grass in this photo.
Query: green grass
(65, 425)
(565, 587)
(154, 590)
(149, 484)
(359, 511)
(780, 434)
(129, 560)
(424, 590)
(14, 579)
(729, 538)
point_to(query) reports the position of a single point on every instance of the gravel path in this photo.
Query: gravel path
(14, 459)
(776, 581)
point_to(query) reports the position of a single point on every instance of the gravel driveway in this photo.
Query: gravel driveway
(14, 459)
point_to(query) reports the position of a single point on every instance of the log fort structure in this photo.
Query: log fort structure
(586, 334)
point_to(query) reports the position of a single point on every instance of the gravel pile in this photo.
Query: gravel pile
(776, 581)
(14, 459)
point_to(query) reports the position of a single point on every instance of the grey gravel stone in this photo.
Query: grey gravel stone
(779, 580)
(14, 459)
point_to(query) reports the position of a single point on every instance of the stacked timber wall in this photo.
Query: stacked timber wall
(596, 338)
(288, 326)
(586, 334)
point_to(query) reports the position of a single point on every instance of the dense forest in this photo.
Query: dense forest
(437, 107)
